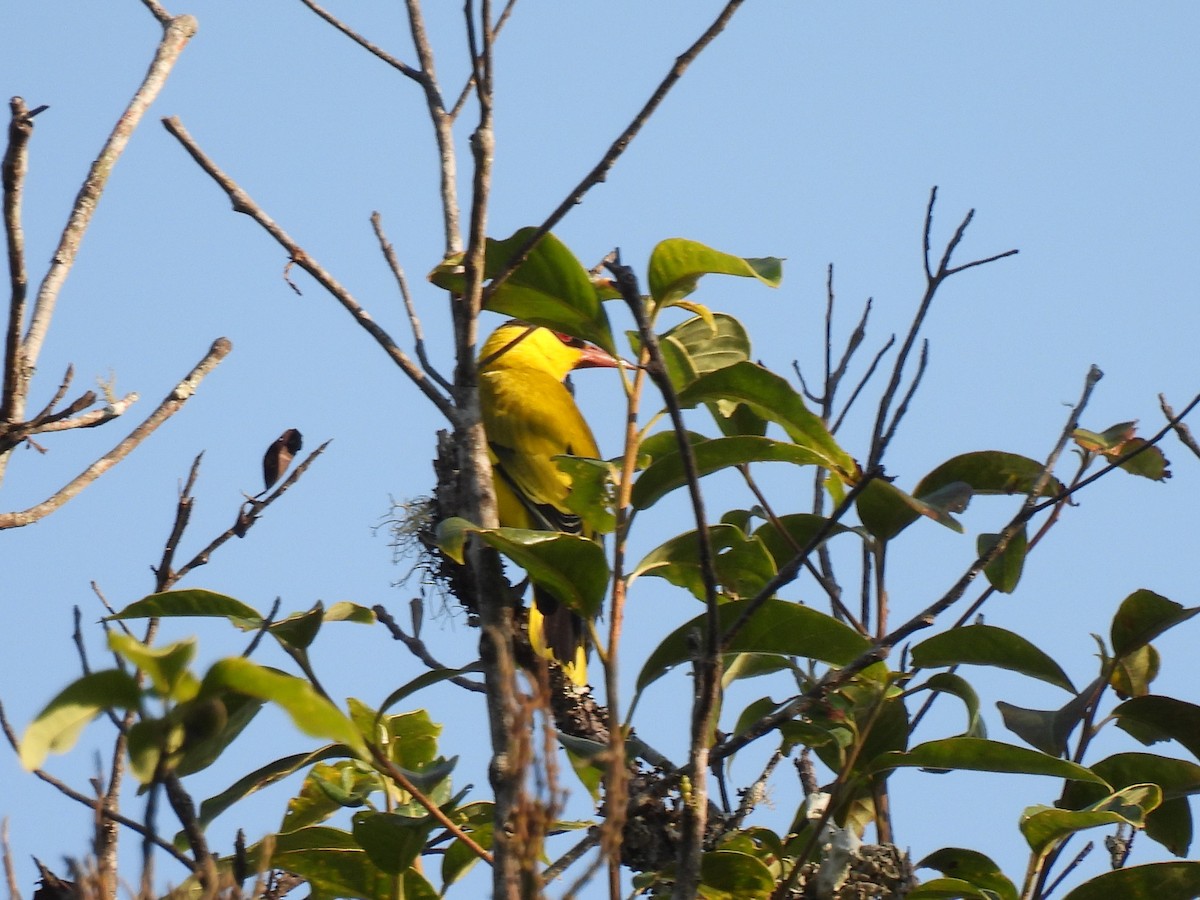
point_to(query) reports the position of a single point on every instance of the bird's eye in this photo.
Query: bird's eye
(570, 341)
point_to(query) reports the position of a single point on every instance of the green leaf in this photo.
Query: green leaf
(779, 627)
(1171, 823)
(1107, 442)
(885, 510)
(1155, 718)
(742, 564)
(676, 266)
(476, 820)
(591, 496)
(707, 348)
(980, 755)
(666, 472)
(989, 472)
(1149, 463)
(166, 666)
(799, 530)
(200, 753)
(551, 288)
(587, 761)
(327, 789)
(771, 397)
(192, 602)
(571, 567)
(1134, 672)
(1142, 617)
(1154, 881)
(433, 676)
(1004, 572)
(392, 842)
(950, 889)
(987, 645)
(949, 683)
(263, 777)
(972, 867)
(1044, 827)
(310, 712)
(1046, 729)
(58, 726)
(730, 875)
(299, 630)
(331, 860)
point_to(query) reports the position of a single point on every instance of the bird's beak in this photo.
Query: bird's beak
(592, 357)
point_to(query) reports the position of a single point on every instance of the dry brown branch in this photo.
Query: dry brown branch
(243, 203)
(1181, 430)
(374, 50)
(707, 664)
(934, 278)
(443, 129)
(389, 254)
(465, 93)
(417, 647)
(245, 520)
(176, 33)
(14, 169)
(173, 402)
(158, 12)
(926, 618)
(90, 802)
(600, 171)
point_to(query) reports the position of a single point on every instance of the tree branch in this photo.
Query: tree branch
(176, 33)
(600, 171)
(173, 402)
(243, 203)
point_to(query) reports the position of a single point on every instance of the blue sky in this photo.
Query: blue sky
(812, 132)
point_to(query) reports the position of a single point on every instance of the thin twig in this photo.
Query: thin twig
(418, 649)
(707, 665)
(443, 128)
(176, 33)
(374, 50)
(568, 859)
(90, 802)
(183, 512)
(173, 402)
(1181, 430)
(600, 171)
(243, 203)
(389, 253)
(164, 17)
(883, 430)
(245, 521)
(470, 85)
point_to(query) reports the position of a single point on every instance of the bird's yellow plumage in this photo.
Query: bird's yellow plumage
(530, 417)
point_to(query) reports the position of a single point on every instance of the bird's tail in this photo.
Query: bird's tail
(559, 634)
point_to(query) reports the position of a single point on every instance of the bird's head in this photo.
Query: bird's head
(519, 345)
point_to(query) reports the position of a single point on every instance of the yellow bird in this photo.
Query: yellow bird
(530, 417)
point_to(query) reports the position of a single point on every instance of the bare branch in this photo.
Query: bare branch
(470, 85)
(389, 253)
(173, 402)
(600, 171)
(92, 803)
(245, 521)
(1181, 430)
(164, 17)
(443, 128)
(345, 29)
(882, 434)
(244, 204)
(176, 33)
(418, 649)
(14, 170)
(707, 664)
